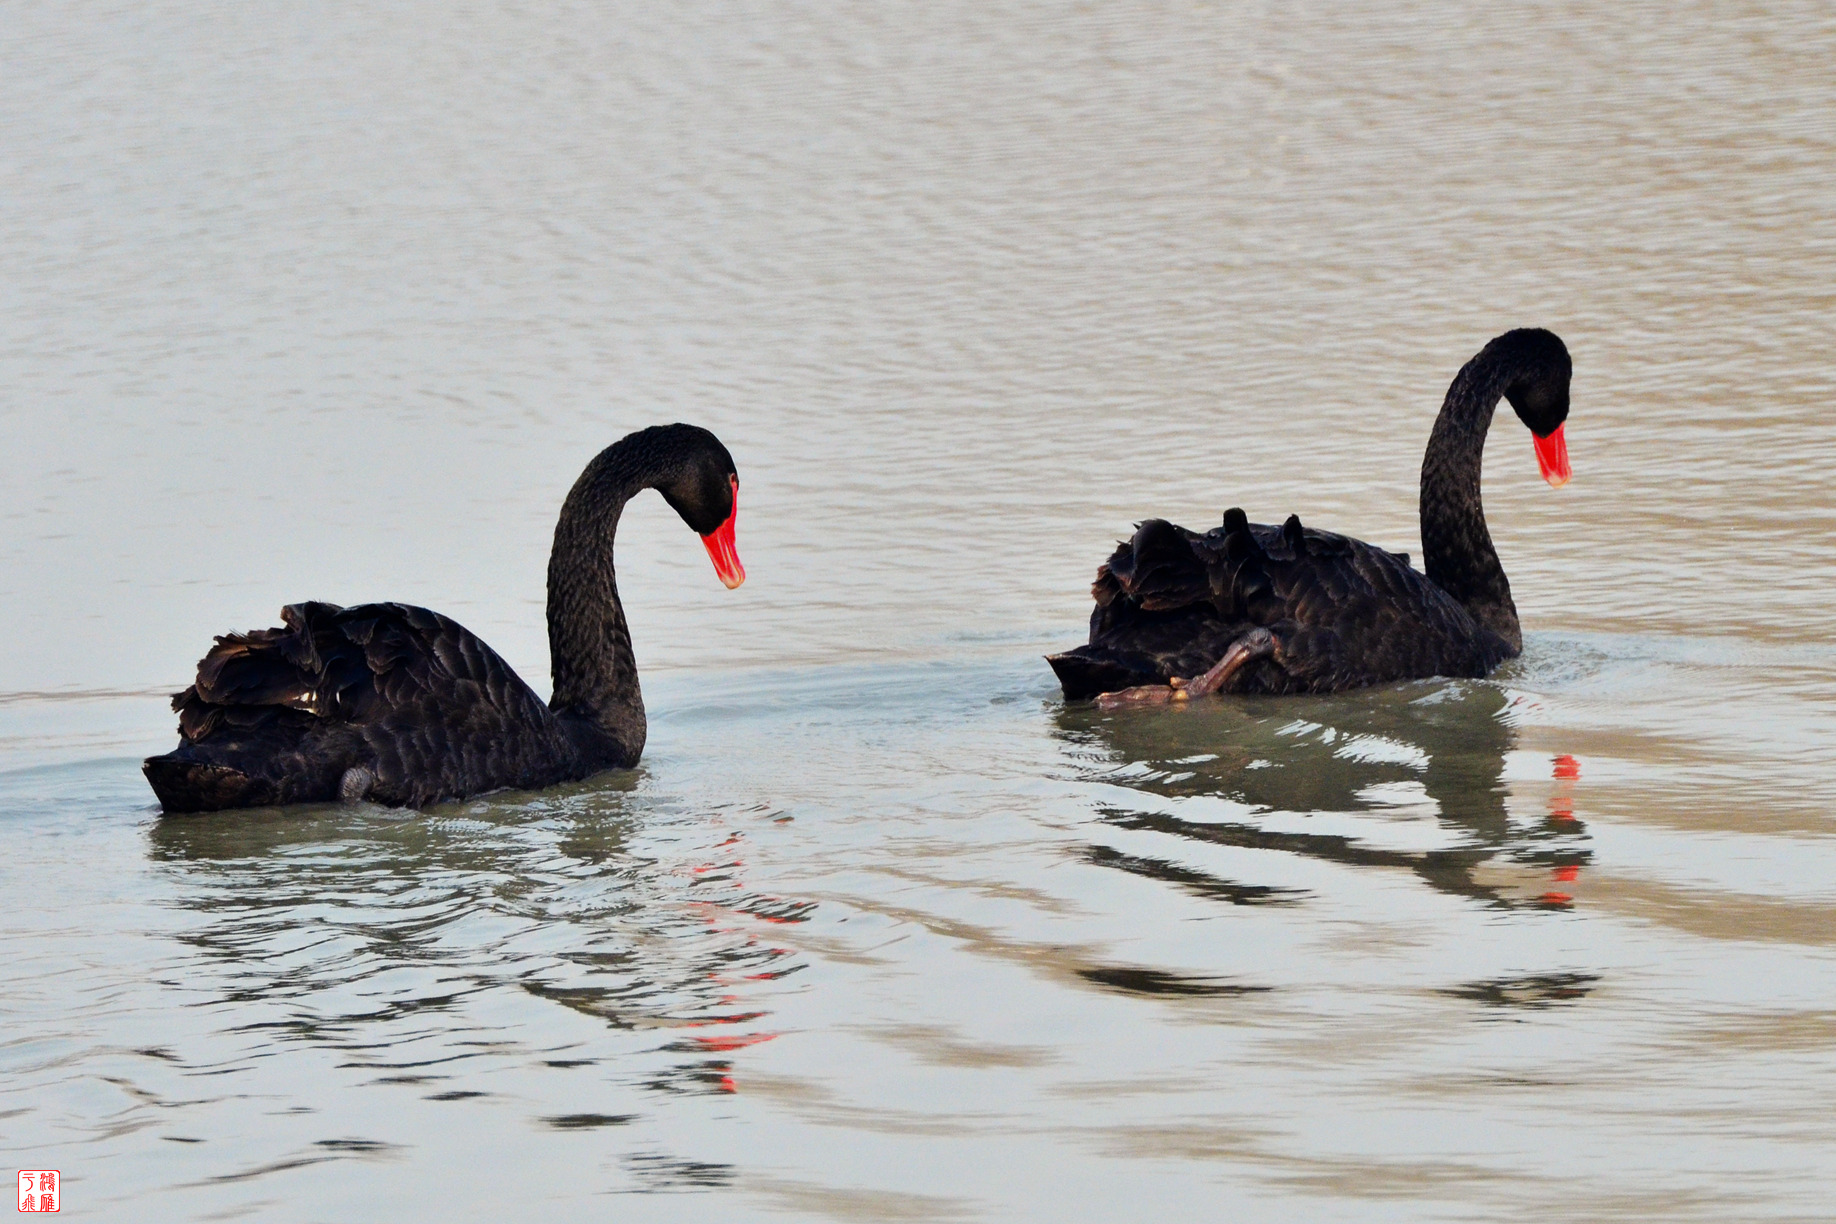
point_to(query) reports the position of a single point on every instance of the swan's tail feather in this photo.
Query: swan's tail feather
(1170, 602)
(186, 785)
(1088, 671)
(260, 726)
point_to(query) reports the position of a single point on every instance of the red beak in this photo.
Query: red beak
(1552, 457)
(721, 550)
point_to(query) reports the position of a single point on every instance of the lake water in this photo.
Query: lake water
(334, 302)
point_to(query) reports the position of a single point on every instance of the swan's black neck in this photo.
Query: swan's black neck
(1457, 551)
(596, 693)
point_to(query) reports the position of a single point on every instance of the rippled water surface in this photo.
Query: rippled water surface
(335, 301)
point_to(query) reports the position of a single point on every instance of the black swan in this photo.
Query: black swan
(1250, 608)
(405, 707)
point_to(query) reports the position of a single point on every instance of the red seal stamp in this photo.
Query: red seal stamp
(39, 1191)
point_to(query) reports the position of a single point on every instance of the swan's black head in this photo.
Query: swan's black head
(1535, 368)
(693, 472)
(696, 476)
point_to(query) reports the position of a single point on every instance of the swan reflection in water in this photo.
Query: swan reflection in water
(430, 948)
(1364, 757)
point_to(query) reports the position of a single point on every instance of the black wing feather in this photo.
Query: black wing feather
(1344, 613)
(411, 699)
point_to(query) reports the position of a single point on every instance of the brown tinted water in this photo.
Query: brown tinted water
(313, 303)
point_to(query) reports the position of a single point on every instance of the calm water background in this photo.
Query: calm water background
(334, 301)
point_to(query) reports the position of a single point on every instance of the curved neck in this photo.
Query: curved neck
(596, 691)
(1457, 551)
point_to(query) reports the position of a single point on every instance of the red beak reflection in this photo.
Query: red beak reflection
(721, 550)
(1552, 457)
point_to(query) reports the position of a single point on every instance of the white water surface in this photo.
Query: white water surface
(335, 301)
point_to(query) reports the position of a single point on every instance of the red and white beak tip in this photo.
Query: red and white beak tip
(721, 549)
(1552, 458)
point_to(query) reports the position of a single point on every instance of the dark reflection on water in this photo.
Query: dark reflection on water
(1534, 991)
(401, 939)
(1197, 882)
(1161, 982)
(662, 1173)
(587, 1121)
(1365, 756)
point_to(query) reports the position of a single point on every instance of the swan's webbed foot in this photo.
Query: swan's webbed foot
(1143, 695)
(1256, 644)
